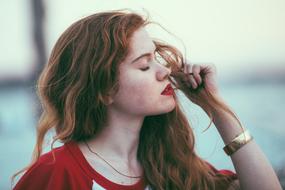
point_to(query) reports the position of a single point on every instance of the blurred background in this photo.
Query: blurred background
(244, 39)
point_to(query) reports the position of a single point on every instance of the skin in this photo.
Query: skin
(141, 81)
(140, 95)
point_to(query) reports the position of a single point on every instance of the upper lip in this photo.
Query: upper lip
(168, 87)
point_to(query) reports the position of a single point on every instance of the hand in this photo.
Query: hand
(198, 81)
(201, 75)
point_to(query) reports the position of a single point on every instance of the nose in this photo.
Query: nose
(162, 72)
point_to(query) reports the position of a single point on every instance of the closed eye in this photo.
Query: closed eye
(144, 69)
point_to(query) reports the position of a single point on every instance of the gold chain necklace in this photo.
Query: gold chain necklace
(108, 162)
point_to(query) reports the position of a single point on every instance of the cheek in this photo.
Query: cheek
(134, 84)
(144, 98)
(140, 94)
(140, 91)
(137, 92)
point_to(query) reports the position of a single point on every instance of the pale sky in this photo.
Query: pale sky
(230, 34)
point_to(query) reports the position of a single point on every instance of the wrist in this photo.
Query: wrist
(217, 111)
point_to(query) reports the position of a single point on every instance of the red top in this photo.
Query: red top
(70, 170)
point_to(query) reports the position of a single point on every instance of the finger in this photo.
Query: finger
(188, 67)
(208, 68)
(190, 77)
(196, 73)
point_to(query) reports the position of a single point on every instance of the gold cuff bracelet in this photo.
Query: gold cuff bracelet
(238, 142)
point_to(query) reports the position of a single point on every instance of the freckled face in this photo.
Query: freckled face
(142, 79)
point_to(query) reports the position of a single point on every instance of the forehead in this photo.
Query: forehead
(141, 43)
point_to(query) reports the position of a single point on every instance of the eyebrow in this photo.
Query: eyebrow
(144, 55)
(141, 56)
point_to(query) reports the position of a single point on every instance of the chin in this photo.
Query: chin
(161, 108)
(171, 108)
(168, 108)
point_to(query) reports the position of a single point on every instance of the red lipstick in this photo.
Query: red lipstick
(168, 91)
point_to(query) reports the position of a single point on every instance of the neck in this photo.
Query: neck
(119, 138)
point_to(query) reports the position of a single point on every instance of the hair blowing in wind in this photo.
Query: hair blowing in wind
(74, 86)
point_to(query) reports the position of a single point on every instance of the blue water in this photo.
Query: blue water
(259, 107)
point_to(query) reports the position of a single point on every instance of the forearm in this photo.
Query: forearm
(252, 167)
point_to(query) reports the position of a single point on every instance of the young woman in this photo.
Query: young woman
(108, 93)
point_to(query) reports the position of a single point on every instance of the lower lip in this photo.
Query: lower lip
(168, 93)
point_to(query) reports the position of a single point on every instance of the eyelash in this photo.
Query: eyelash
(144, 69)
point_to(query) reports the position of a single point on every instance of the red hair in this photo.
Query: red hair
(83, 69)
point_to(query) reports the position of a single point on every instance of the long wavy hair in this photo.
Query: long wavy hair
(83, 69)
